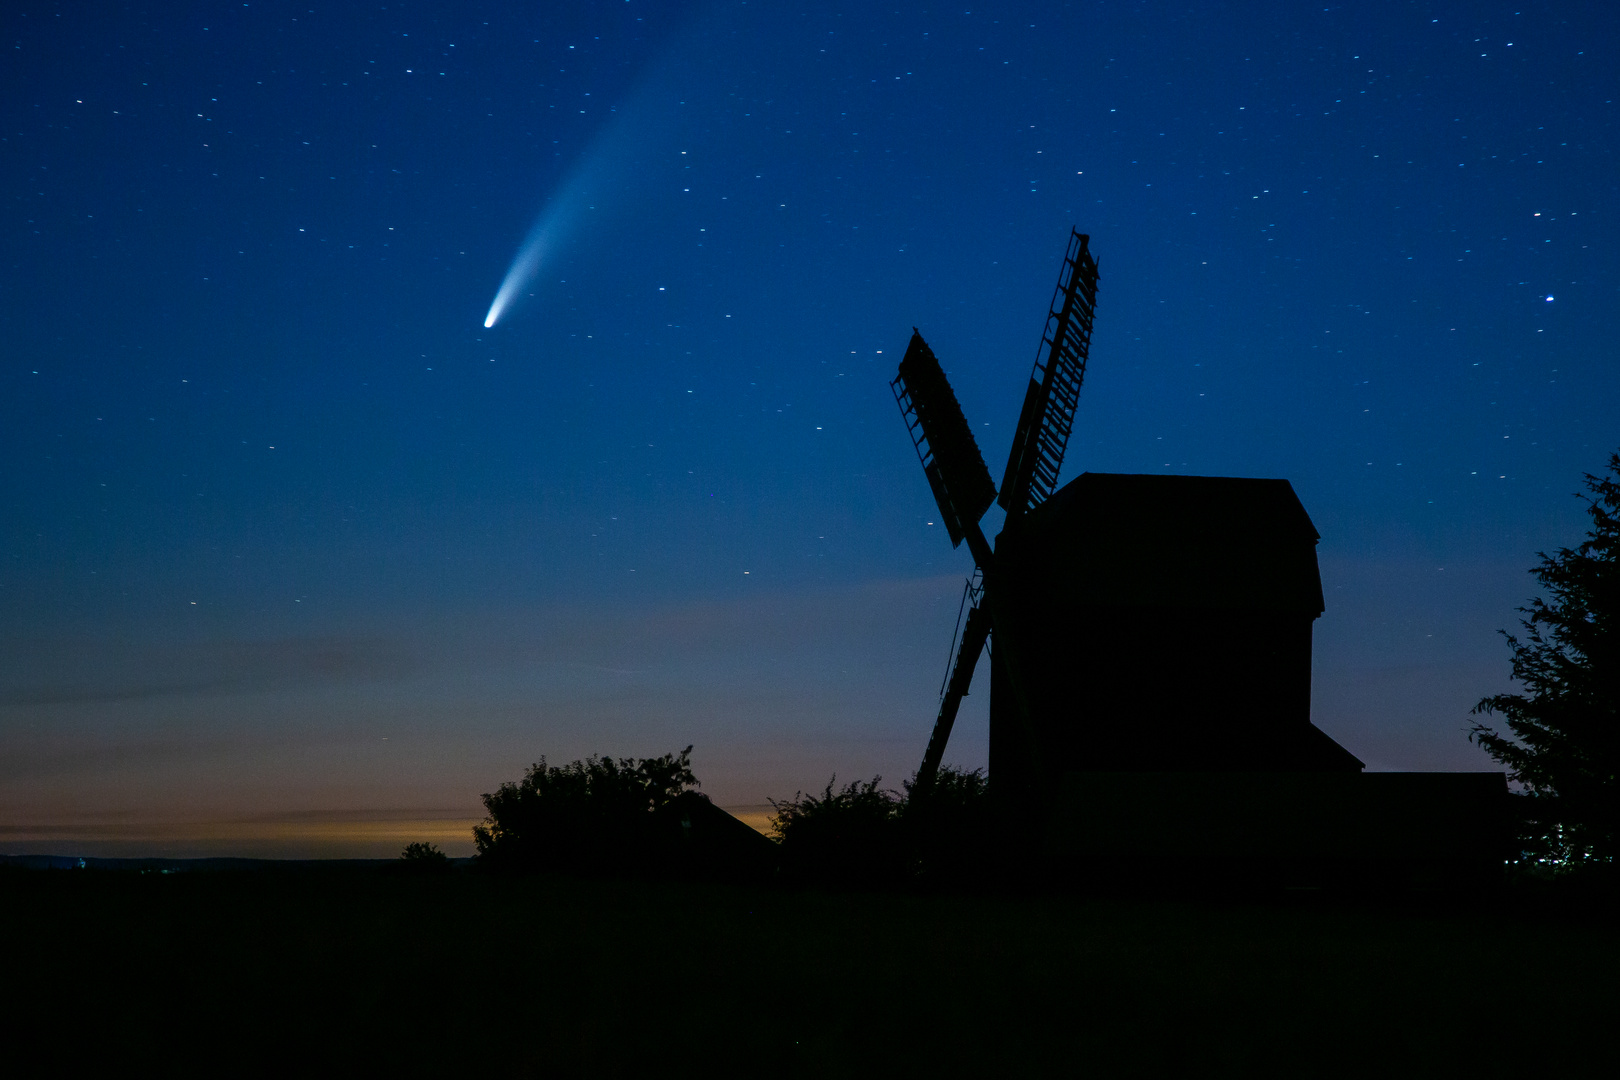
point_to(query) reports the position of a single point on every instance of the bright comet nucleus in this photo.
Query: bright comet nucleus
(522, 270)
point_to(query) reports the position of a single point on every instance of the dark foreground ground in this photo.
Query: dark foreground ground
(355, 970)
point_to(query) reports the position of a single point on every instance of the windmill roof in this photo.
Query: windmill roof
(1173, 541)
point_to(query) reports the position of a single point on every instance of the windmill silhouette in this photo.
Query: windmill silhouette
(963, 489)
(1150, 642)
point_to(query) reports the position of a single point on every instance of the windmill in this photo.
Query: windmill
(963, 489)
(1150, 649)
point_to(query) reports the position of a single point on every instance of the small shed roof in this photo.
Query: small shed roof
(1114, 539)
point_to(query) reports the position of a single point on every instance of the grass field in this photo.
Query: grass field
(359, 970)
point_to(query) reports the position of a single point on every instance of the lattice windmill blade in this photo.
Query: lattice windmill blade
(975, 633)
(1054, 385)
(945, 445)
(963, 489)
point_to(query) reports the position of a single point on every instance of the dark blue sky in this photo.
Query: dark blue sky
(290, 537)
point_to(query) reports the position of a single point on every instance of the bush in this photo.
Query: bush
(863, 835)
(598, 816)
(844, 836)
(423, 853)
(946, 827)
(419, 858)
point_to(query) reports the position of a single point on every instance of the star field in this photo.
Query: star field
(290, 531)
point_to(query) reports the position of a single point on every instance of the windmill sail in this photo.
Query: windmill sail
(975, 633)
(1054, 386)
(950, 457)
(964, 491)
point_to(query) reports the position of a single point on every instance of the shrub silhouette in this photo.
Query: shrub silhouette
(945, 826)
(420, 858)
(423, 853)
(844, 836)
(597, 816)
(864, 835)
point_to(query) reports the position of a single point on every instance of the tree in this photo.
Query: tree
(1564, 745)
(599, 815)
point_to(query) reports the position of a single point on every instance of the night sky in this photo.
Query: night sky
(297, 557)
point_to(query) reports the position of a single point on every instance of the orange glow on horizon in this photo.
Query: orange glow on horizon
(312, 835)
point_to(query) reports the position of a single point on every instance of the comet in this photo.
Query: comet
(524, 266)
(597, 180)
(590, 183)
(616, 169)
